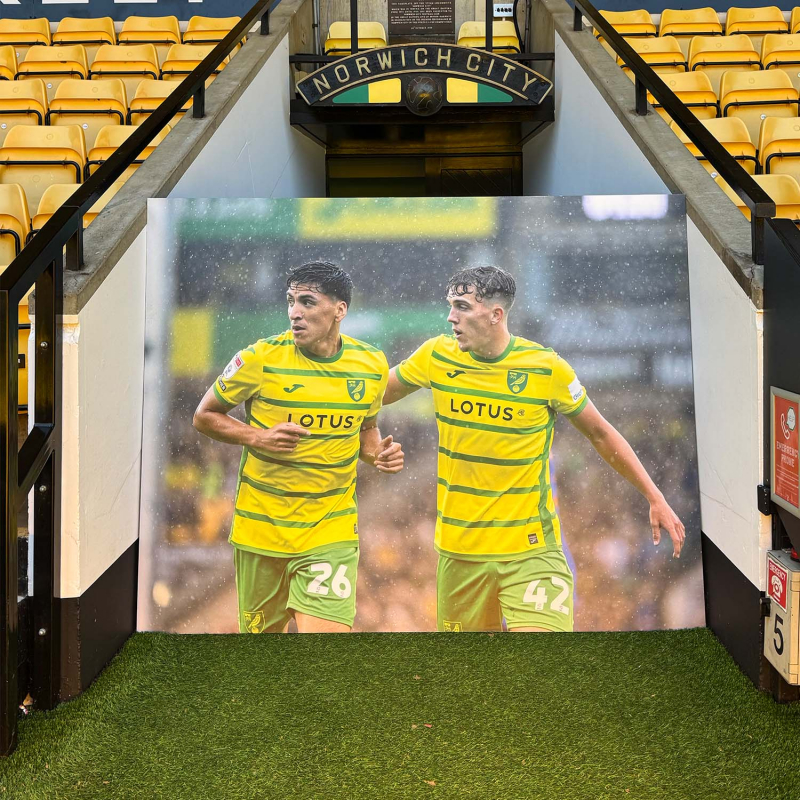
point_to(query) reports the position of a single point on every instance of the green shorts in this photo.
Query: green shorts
(478, 595)
(271, 588)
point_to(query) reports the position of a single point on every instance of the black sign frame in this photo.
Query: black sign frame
(526, 86)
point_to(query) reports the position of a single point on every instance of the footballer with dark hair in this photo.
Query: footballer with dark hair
(311, 398)
(496, 399)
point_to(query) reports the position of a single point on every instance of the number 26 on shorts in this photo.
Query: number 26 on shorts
(340, 584)
(537, 594)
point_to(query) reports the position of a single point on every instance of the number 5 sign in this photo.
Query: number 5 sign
(781, 646)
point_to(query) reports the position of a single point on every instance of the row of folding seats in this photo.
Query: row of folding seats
(715, 55)
(784, 190)
(471, 34)
(777, 153)
(90, 104)
(686, 23)
(751, 96)
(38, 157)
(17, 226)
(131, 63)
(94, 32)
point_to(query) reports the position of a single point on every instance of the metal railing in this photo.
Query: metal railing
(645, 79)
(37, 465)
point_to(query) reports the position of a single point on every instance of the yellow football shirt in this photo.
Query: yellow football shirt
(495, 420)
(293, 503)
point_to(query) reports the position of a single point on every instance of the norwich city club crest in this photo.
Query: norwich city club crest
(517, 381)
(356, 389)
(254, 621)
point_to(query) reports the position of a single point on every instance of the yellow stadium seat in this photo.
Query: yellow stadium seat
(732, 134)
(53, 198)
(14, 221)
(779, 146)
(110, 138)
(794, 22)
(683, 24)
(56, 195)
(183, 58)
(755, 22)
(90, 104)
(149, 97)
(8, 63)
(473, 34)
(783, 189)
(37, 156)
(21, 103)
(782, 51)
(629, 24)
(162, 32)
(717, 54)
(91, 33)
(752, 96)
(662, 53)
(131, 63)
(694, 90)
(22, 34)
(207, 30)
(370, 36)
(54, 64)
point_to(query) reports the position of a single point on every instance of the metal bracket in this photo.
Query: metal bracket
(764, 501)
(766, 606)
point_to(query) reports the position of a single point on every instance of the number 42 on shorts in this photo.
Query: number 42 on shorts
(537, 594)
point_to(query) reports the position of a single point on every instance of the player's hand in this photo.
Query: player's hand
(281, 438)
(662, 516)
(390, 456)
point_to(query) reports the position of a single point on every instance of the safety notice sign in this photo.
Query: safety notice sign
(785, 413)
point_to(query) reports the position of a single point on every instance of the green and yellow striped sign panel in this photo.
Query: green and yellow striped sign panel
(384, 92)
(461, 91)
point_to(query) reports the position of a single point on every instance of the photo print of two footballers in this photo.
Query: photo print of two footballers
(466, 414)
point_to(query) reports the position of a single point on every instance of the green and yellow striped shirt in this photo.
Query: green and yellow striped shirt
(298, 502)
(495, 420)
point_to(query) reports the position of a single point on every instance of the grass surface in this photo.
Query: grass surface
(628, 715)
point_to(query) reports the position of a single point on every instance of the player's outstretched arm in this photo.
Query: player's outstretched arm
(616, 451)
(211, 418)
(396, 389)
(385, 455)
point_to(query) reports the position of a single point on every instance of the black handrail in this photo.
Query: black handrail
(37, 465)
(755, 198)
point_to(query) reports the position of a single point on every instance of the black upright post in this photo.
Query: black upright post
(489, 25)
(353, 26)
(8, 517)
(47, 491)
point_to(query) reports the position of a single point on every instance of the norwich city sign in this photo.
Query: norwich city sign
(424, 78)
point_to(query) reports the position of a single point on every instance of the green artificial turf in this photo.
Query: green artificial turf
(628, 715)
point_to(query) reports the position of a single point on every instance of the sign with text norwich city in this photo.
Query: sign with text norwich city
(424, 77)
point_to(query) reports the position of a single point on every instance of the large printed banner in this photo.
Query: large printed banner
(258, 514)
